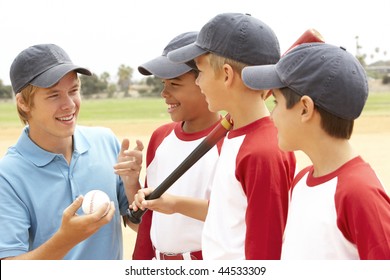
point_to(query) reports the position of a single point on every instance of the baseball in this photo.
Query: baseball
(93, 200)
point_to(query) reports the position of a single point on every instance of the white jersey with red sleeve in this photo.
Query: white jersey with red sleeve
(342, 215)
(249, 197)
(176, 233)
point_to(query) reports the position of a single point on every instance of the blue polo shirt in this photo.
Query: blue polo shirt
(36, 186)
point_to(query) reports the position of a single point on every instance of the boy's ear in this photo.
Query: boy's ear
(228, 73)
(21, 104)
(307, 107)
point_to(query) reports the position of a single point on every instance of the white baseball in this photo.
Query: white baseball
(93, 200)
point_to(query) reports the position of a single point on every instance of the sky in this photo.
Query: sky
(103, 34)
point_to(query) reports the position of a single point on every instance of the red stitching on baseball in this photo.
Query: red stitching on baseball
(91, 203)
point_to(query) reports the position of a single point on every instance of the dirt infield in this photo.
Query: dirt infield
(371, 139)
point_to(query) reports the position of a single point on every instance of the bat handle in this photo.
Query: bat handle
(135, 216)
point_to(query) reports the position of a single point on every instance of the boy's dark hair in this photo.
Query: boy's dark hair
(331, 124)
(195, 72)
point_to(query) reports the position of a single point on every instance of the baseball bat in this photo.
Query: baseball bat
(211, 139)
(310, 35)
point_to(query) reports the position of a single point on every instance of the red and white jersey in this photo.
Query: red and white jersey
(249, 197)
(342, 215)
(176, 233)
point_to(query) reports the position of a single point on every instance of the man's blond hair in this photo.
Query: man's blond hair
(27, 95)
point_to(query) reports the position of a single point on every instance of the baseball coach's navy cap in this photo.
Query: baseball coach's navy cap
(42, 66)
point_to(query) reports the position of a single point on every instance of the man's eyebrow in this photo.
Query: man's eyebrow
(52, 89)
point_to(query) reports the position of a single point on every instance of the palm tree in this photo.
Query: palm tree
(125, 73)
(361, 57)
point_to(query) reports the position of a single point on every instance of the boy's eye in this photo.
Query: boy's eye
(172, 84)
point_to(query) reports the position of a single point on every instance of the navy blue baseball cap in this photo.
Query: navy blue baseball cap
(237, 36)
(42, 66)
(161, 66)
(331, 76)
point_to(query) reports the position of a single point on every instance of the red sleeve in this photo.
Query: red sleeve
(143, 249)
(266, 174)
(363, 212)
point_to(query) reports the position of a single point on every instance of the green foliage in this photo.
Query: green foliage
(111, 89)
(125, 73)
(155, 84)
(5, 91)
(92, 84)
(99, 85)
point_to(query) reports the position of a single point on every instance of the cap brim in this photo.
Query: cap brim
(162, 68)
(51, 76)
(261, 77)
(186, 53)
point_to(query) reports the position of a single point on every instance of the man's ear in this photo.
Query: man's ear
(21, 104)
(307, 108)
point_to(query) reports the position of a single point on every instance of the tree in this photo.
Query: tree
(105, 78)
(361, 57)
(5, 91)
(125, 74)
(92, 84)
(155, 84)
(111, 89)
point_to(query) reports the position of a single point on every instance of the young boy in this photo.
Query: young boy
(177, 237)
(249, 194)
(44, 176)
(339, 209)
